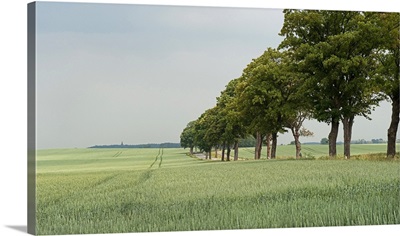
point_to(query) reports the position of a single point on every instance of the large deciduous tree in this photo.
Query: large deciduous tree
(254, 98)
(206, 132)
(270, 98)
(188, 136)
(334, 50)
(233, 127)
(388, 72)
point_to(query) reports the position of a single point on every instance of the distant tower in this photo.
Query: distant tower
(122, 143)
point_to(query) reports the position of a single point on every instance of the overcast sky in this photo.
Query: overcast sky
(108, 73)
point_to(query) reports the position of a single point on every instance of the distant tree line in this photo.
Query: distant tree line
(331, 66)
(359, 141)
(148, 145)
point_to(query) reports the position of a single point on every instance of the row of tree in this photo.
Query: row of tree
(331, 66)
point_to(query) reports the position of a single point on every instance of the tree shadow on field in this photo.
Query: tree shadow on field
(21, 228)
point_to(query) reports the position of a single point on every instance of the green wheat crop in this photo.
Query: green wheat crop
(130, 190)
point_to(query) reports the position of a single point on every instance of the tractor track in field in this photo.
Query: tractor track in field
(147, 174)
(104, 180)
(78, 194)
(117, 154)
(159, 155)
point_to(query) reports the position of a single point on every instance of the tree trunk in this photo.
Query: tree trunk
(191, 150)
(296, 136)
(236, 151)
(347, 129)
(256, 149)
(216, 151)
(274, 141)
(260, 142)
(259, 146)
(392, 131)
(223, 152)
(209, 154)
(268, 142)
(298, 148)
(333, 137)
(228, 153)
